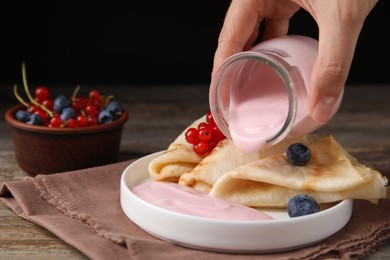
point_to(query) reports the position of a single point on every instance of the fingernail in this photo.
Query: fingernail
(323, 110)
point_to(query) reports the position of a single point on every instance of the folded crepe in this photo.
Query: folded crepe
(180, 158)
(226, 157)
(331, 175)
(177, 159)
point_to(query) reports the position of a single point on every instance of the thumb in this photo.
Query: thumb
(329, 74)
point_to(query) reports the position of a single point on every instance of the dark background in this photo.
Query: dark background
(144, 42)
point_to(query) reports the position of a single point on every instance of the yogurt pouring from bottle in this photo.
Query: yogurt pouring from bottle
(260, 97)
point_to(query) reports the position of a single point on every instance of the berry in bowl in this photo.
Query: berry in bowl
(64, 133)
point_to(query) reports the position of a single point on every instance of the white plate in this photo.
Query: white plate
(233, 236)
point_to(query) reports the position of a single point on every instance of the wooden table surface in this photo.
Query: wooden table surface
(156, 116)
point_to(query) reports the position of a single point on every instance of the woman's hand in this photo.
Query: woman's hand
(339, 23)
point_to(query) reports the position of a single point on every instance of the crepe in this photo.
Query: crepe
(331, 175)
(226, 157)
(177, 159)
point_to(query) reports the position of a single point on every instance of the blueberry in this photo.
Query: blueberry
(301, 205)
(34, 119)
(114, 106)
(68, 112)
(61, 102)
(110, 113)
(21, 115)
(106, 116)
(298, 154)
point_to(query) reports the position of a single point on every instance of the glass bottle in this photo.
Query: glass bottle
(259, 97)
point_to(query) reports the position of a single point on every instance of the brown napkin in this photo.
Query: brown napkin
(83, 209)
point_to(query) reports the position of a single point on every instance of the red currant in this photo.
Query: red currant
(202, 125)
(42, 114)
(97, 103)
(212, 144)
(41, 94)
(32, 108)
(81, 102)
(77, 106)
(205, 133)
(217, 134)
(91, 110)
(94, 95)
(201, 148)
(192, 135)
(92, 120)
(81, 120)
(71, 123)
(209, 118)
(48, 103)
(56, 121)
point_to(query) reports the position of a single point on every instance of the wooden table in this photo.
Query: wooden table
(157, 115)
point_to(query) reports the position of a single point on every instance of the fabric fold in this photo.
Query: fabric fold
(82, 208)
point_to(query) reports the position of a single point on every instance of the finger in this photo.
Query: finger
(330, 71)
(239, 31)
(275, 28)
(250, 42)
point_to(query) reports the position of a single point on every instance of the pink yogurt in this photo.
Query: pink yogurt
(183, 199)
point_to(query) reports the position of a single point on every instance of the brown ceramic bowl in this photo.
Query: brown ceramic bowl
(46, 150)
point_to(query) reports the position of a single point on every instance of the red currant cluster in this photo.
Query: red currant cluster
(205, 137)
(63, 111)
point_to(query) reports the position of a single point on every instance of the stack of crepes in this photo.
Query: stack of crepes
(266, 178)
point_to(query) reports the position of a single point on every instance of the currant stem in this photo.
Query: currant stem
(32, 100)
(75, 92)
(108, 99)
(18, 97)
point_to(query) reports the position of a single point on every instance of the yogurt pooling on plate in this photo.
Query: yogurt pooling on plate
(183, 199)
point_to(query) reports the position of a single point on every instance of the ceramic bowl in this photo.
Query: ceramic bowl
(46, 150)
